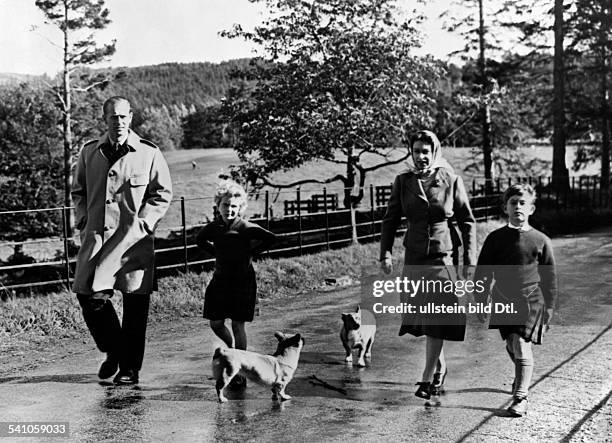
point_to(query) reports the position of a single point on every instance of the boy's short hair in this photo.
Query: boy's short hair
(520, 189)
(229, 188)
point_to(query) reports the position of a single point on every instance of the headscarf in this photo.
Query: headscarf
(437, 160)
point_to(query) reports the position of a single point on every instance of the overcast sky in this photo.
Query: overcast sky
(158, 31)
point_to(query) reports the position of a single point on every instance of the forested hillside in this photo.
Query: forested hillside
(189, 84)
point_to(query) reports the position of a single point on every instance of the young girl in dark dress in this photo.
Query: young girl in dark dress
(232, 292)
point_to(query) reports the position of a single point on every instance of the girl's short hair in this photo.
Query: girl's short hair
(520, 189)
(229, 188)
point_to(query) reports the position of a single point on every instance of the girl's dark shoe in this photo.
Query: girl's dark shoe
(424, 390)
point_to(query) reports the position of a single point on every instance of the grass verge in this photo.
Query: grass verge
(58, 315)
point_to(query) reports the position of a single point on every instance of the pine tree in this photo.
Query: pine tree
(77, 20)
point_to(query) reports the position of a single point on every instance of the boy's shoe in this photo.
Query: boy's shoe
(437, 387)
(518, 408)
(424, 390)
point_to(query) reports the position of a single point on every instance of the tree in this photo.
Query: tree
(591, 42)
(560, 174)
(337, 81)
(536, 20)
(478, 39)
(162, 125)
(77, 20)
(206, 129)
(30, 163)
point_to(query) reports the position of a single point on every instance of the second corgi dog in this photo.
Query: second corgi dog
(358, 332)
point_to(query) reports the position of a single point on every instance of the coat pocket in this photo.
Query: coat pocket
(139, 180)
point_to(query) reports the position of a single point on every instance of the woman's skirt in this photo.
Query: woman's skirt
(435, 306)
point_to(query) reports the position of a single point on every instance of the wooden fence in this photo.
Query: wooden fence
(309, 225)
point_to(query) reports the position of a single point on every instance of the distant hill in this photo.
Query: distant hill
(197, 84)
(10, 79)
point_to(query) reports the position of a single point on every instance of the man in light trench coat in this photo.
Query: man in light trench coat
(121, 190)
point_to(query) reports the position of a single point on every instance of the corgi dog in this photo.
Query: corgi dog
(358, 332)
(272, 370)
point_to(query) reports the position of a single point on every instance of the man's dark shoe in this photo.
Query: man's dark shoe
(108, 368)
(127, 377)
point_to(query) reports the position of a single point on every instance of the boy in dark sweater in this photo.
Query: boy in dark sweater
(520, 259)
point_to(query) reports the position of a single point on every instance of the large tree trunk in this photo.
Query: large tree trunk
(67, 108)
(560, 175)
(605, 104)
(605, 127)
(485, 111)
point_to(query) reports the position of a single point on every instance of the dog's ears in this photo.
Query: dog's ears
(280, 336)
(358, 309)
(299, 337)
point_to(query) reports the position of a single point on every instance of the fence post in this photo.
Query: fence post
(267, 210)
(473, 186)
(326, 218)
(587, 191)
(372, 211)
(267, 215)
(579, 193)
(299, 209)
(183, 225)
(66, 256)
(486, 202)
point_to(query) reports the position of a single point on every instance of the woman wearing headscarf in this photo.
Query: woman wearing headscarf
(429, 194)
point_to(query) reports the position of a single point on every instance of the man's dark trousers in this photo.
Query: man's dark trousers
(124, 342)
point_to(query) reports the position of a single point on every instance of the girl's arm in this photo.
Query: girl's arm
(204, 239)
(261, 238)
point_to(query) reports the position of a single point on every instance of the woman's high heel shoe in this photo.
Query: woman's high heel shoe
(437, 387)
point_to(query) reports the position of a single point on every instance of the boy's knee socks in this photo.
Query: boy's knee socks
(523, 370)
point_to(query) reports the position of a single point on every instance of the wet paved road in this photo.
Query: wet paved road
(570, 395)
